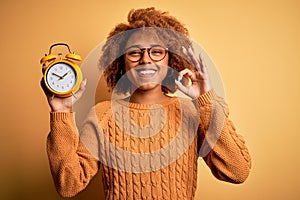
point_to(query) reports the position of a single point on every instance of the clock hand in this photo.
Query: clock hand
(65, 74)
(57, 75)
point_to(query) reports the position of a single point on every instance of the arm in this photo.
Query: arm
(72, 166)
(222, 148)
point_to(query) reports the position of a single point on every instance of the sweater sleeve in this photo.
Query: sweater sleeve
(72, 166)
(222, 148)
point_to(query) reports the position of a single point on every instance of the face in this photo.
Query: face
(145, 74)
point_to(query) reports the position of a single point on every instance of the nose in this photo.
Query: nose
(145, 57)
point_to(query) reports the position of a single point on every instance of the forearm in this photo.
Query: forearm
(71, 164)
(223, 149)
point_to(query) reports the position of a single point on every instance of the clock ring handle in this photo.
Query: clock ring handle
(57, 44)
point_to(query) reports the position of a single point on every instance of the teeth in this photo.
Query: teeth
(147, 72)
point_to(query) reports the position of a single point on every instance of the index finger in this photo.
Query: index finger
(193, 59)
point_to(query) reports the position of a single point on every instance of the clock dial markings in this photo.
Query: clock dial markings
(61, 78)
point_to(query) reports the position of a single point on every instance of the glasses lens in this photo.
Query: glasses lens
(134, 54)
(157, 53)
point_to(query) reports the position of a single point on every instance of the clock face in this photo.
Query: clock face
(61, 77)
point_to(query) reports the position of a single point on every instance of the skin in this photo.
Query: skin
(146, 90)
(199, 77)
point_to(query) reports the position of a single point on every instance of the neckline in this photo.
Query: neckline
(146, 106)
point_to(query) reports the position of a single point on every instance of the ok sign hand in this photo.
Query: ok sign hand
(199, 77)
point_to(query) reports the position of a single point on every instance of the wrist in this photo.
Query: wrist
(204, 88)
(56, 110)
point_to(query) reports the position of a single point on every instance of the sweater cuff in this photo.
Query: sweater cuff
(206, 97)
(60, 116)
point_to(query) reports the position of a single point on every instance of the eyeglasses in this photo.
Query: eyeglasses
(156, 53)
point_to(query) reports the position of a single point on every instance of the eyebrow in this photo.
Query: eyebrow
(140, 46)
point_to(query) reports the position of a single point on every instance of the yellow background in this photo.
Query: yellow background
(254, 44)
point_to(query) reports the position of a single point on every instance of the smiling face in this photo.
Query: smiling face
(145, 74)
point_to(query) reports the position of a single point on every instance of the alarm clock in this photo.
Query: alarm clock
(62, 76)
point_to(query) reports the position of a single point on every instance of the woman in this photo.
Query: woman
(148, 141)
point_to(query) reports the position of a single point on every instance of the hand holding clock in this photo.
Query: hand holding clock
(62, 91)
(62, 104)
(65, 104)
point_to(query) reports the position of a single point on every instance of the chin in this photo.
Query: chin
(149, 86)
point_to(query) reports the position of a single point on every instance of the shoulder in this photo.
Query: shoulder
(102, 107)
(98, 111)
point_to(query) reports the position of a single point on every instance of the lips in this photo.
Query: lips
(146, 71)
(146, 76)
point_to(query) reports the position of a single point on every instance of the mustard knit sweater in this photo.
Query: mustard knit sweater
(75, 158)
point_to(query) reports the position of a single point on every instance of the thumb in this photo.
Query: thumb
(81, 89)
(187, 90)
(181, 87)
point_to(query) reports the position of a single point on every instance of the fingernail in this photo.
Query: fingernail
(179, 78)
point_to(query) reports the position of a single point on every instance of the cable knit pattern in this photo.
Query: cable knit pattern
(75, 160)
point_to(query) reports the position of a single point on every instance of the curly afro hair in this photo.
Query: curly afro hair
(172, 32)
